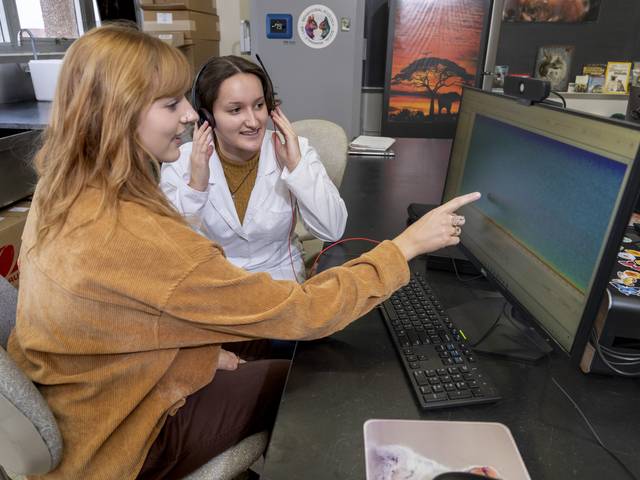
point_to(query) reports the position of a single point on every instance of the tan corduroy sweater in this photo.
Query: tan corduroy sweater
(117, 330)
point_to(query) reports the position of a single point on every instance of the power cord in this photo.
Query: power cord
(564, 102)
(493, 326)
(618, 359)
(315, 262)
(455, 269)
(593, 431)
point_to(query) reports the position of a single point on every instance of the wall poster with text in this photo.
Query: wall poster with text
(434, 48)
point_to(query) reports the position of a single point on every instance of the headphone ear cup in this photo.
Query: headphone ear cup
(205, 116)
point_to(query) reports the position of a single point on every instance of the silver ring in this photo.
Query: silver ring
(457, 220)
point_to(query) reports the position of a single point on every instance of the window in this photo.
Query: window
(53, 23)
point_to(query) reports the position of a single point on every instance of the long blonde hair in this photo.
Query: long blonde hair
(109, 77)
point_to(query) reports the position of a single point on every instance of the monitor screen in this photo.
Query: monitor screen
(555, 195)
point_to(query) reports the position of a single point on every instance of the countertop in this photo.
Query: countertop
(25, 115)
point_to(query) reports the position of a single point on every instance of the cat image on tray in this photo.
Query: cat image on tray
(423, 449)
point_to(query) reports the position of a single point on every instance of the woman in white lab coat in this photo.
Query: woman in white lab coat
(240, 184)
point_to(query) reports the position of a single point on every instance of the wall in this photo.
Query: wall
(231, 12)
(613, 37)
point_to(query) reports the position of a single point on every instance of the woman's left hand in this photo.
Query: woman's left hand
(288, 154)
(228, 360)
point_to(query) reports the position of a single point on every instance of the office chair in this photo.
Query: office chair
(330, 140)
(30, 442)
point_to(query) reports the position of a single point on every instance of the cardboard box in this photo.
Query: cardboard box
(204, 6)
(11, 227)
(175, 39)
(194, 25)
(200, 52)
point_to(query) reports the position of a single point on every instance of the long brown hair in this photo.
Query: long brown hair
(109, 77)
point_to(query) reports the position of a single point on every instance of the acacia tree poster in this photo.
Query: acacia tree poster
(434, 48)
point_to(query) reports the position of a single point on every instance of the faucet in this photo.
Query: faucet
(33, 42)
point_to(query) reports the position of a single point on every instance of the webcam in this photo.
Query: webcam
(528, 90)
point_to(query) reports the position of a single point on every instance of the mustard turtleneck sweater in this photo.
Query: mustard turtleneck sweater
(241, 177)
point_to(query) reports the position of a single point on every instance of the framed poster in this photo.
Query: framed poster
(553, 63)
(558, 11)
(434, 47)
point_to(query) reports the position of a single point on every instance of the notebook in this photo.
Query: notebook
(455, 446)
(364, 142)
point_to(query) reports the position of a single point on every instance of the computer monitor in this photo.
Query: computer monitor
(558, 187)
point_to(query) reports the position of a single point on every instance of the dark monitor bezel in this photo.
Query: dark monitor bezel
(609, 255)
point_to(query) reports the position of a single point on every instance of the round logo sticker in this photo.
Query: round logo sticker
(317, 26)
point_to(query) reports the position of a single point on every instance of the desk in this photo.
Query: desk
(337, 383)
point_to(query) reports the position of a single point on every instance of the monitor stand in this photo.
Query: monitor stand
(510, 336)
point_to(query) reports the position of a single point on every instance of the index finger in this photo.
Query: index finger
(455, 203)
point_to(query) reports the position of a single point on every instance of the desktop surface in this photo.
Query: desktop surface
(336, 384)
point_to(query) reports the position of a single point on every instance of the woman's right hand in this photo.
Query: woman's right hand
(439, 228)
(201, 151)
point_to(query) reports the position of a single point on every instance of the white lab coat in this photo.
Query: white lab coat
(260, 244)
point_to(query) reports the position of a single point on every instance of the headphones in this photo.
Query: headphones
(204, 115)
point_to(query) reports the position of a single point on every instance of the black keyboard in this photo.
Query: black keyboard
(442, 368)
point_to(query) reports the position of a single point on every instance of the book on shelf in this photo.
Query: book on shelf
(581, 83)
(617, 78)
(595, 69)
(596, 84)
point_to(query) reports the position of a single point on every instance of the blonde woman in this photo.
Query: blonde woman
(123, 307)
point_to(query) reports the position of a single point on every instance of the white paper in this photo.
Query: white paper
(364, 142)
(164, 17)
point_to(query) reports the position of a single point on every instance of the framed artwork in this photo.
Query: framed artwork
(616, 78)
(558, 11)
(553, 63)
(431, 55)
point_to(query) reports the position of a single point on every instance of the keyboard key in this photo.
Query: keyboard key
(420, 377)
(458, 394)
(435, 397)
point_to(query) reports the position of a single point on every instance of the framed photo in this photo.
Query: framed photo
(500, 72)
(553, 63)
(616, 79)
(559, 11)
(431, 55)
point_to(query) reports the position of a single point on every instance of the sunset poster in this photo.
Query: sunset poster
(434, 48)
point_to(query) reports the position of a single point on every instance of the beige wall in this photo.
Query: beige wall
(231, 12)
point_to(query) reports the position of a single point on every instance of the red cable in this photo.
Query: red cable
(291, 228)
(375, 242)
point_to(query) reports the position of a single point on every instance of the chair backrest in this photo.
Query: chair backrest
(330, 140)
(30, 442)
(8, 303)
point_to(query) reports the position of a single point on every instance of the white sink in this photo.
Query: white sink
(44, 75)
